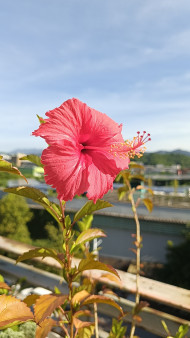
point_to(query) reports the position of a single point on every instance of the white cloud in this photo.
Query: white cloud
(129, 59)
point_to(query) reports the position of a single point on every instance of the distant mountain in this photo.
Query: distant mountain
(27, 151)
(159, 152)
(180, 151)
(177, 151)
(167, 158)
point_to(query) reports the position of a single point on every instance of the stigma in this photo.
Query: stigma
(131, 148)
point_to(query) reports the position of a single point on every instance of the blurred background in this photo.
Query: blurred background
(128, 59)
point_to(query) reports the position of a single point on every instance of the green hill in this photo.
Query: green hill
(167, 158)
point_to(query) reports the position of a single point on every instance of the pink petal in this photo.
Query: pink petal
(65, 170)
(80, 156)
(107, 163)
(99, 183)
(64, 122)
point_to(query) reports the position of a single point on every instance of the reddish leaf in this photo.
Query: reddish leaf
(112, 278)
(46, 304)
(133, 250)
(139, 307)
(148, 204)
(13, 312)
(101, 299)
(79, 324)
(142, 187)
(4, 286)
(108, 292)
(80, 296)
(88, 235)
(137, 318)
(45, 327)
(90, 264)
(30, 300)
(142, 273)
(82, 313)
(137, 244)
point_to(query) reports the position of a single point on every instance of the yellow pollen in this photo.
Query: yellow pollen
(129, 149)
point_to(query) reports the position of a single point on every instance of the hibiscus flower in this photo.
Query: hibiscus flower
(86, 150)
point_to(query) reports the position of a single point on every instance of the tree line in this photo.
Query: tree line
(166, 159)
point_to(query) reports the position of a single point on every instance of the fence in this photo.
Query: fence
(151, 290)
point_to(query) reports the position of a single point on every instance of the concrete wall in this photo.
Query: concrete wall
(155, 236)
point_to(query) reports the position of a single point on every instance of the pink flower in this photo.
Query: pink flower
(86, 150)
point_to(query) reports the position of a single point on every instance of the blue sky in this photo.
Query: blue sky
(127, 58)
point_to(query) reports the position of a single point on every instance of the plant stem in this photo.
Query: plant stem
(95, 250)
(138, 251)
(69, 278)
(96, 320)
(68, 269)
(63, 213)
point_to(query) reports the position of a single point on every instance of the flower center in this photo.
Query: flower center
(132, 148)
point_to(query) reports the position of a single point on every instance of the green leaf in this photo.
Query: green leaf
(7, 167)
(122, 195)
(117, 330)
(183, 329)
(56, 290)
(41, 252)
(137, 177)
(86, 332)
(89, 235)
(148, 204)
(4, 288)
(90, 264)
(122, 192)
(38, 197)
(90, 207)
(41, 120)
(123, 174)
(85, 222)
(118, 177)
(67, 222)
(101, 299)
(135, 165)
(165, 327)
(34, 159)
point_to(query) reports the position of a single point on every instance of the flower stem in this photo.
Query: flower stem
(68, 269)
(138, 251)
(69, 278)
(96, 320)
